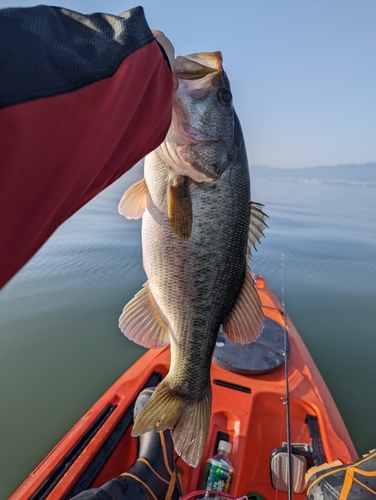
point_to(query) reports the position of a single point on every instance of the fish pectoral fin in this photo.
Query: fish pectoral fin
(189, 421)
(246, 319)
(257, 225)
(142, 322)
(179, 206)
(133, 202)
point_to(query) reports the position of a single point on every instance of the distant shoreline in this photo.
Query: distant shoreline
(314, 181)
(360, 175)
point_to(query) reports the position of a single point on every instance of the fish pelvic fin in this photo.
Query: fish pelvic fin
(189, 421)
(179, 206)
(142, 321)
(257, 225)
(133, 202)
(246, 319)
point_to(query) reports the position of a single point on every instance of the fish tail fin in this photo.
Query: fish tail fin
(189, 421)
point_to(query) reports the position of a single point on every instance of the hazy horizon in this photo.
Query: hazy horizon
(352, 165)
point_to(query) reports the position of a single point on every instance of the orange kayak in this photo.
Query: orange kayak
(248, 410)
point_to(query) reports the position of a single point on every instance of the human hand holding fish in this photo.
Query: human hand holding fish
(166, 44)
(198, 226)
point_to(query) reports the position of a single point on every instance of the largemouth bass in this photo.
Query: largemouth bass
(197, 229)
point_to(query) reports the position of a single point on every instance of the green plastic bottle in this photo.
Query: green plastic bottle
(218, 471)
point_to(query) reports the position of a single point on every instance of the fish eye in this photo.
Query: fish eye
(225, 96)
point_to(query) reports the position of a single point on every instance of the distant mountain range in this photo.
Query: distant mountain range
(341, 174)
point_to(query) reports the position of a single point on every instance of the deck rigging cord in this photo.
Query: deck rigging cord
(287, 392)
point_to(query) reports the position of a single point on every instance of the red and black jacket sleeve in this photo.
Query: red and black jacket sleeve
(82, 99)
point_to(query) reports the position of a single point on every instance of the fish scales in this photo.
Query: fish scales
(195, 205)
(197, 281)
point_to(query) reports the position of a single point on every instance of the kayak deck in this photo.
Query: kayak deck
(248, 411)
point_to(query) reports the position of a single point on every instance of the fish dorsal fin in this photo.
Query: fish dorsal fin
(246, 319)
(133, 202)
(257, 225)
(142, 321)
(179, 206)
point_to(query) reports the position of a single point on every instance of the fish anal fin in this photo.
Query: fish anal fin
(133, 202)
(257, 225)
(142, 321)
(179, 206)
(189, 421)
(246, 319)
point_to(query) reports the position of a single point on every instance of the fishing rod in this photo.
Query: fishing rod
(287, 392)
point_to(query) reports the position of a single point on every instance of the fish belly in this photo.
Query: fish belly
(195, 282)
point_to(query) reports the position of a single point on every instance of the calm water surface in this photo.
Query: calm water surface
(60, 347)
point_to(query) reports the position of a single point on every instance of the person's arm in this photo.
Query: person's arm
(82, 99)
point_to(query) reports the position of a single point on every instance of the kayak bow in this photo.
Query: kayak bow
(247, 410)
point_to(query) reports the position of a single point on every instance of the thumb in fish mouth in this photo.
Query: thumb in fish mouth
(196, 66)
(167, 46)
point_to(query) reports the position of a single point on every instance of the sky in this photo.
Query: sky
(302, 72)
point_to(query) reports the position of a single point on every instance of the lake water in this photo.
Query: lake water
(60, 347)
